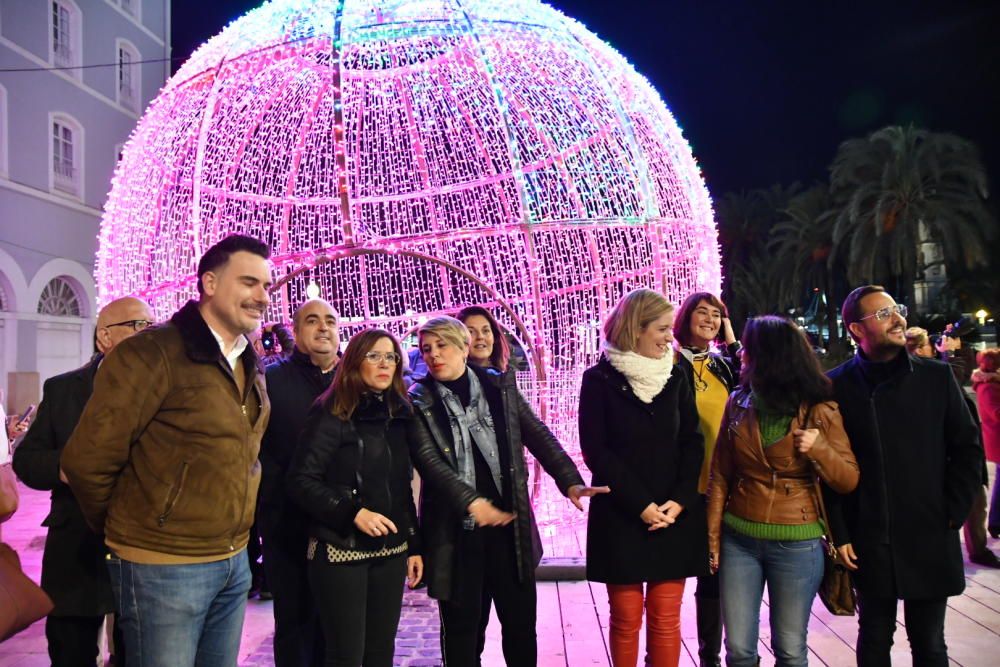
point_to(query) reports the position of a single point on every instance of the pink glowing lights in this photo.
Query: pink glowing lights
(409, 158)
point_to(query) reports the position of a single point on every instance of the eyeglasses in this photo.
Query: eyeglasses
(137, 325)
(886, 313)
(378, 357)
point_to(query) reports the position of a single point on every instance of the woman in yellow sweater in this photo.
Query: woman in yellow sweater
(708, 352)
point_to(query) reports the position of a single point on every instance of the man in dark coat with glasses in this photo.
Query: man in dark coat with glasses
(920, 458)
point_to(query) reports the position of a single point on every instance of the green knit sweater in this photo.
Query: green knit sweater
(773, 426)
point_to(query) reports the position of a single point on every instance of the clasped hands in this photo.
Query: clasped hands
(661, 516)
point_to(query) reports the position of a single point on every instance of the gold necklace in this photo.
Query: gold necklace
(699, 383)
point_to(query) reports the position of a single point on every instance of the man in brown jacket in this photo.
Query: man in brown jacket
(164, 464)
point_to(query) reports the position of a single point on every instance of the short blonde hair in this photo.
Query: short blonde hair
(916, 338)
(447, 328)
(633, 313)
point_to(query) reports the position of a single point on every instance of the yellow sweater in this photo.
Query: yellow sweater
(710, 395)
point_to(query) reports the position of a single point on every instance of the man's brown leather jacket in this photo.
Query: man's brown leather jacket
(775, 485)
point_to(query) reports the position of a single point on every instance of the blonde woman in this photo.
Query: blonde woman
(639, 435)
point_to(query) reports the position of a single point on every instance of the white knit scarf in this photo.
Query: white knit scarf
(646, 376)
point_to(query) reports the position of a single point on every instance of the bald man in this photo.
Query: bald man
(293, 383)
(73, 570)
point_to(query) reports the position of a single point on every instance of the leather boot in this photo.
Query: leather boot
(709, 617)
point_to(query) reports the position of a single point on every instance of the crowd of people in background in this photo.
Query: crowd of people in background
(711, 457)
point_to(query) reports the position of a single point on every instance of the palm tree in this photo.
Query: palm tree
(745, 220)
(898, 186)
(754, 288)
(801, 246)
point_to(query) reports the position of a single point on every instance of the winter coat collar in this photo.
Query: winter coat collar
(199, 343)
(303, 359)
(882, 373)
(423, 395)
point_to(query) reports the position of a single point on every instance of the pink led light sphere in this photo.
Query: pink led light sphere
(410, 158)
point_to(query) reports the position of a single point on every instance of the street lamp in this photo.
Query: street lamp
(981, 316)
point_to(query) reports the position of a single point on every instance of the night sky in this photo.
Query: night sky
(766, 90)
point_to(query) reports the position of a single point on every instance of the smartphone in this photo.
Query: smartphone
(26, 414)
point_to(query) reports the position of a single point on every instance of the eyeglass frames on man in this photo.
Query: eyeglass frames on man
(886, 313)
(137, 325)
(378, 357)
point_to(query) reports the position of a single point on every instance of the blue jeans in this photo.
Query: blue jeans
(181, 615)
(793, 572)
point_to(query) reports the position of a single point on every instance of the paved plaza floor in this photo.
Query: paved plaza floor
(572, 617)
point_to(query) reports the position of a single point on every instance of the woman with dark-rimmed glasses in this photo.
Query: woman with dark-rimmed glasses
(351, 475)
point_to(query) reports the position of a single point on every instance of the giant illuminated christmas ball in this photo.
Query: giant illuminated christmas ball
(410, 158)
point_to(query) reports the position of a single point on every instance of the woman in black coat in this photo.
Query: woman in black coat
(639, 435)
(480, 538)
(351, 475)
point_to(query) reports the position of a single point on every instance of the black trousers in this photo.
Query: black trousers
(488, 575)
(298, 638)
(708, 613)
(73, 640)
(924, 628)
(359, 606)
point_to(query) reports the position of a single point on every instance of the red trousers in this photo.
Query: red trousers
(663, 622)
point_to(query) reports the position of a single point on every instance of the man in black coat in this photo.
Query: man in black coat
(73, 570)
(920, 458)
(293, 383)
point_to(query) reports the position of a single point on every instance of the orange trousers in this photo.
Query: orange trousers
(663, 622)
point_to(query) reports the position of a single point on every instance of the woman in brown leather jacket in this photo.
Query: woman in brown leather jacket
(778, 432)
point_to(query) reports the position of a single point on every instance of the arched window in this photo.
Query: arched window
(67, 155)
(66, 45)
(128, 84)
(59, 297)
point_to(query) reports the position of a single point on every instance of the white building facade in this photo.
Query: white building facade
(75, 76)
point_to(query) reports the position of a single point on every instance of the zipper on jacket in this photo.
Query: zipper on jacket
(388, 477)
(173, 495)
(771, 494)
(518, 547)
(247, 431)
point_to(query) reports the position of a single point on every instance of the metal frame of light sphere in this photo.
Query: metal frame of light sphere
(410, 158)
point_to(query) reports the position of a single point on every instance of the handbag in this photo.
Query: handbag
(22, 602)
(836, 591)
(8, 492)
